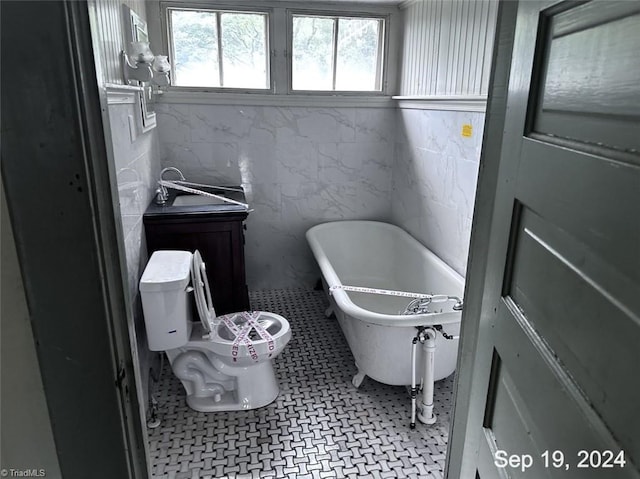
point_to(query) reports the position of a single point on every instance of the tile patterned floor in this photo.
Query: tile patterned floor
(319, 427)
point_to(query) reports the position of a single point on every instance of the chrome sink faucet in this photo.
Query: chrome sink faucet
(162, 195)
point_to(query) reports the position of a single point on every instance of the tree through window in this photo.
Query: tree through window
(336, 53)
(219, 49)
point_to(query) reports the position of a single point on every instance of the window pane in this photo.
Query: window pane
(357, 63)
(244, 51)
(312, 63)
(194, 45)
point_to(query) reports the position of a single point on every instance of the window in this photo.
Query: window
(222, 49)
(336, 53)
(278, 50)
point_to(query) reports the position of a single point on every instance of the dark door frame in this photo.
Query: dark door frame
(60, 197)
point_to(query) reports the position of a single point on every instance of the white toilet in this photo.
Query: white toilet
(225, 362)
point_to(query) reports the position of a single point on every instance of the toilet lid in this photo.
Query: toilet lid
(202, 292)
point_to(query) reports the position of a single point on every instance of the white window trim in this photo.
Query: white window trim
(254, 99)
(279, 67)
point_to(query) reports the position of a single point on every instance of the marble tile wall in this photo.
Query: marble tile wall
(300, 166)
(434, 179)
(137, 166)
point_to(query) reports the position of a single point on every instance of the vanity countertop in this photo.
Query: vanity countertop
(169, 210)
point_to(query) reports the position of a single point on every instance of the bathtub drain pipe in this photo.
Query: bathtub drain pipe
(428, 340)
(414, 388)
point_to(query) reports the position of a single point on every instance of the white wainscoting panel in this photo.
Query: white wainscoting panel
(447, 47)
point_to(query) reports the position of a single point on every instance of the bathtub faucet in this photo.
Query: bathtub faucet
(418, 306)
(421, 305)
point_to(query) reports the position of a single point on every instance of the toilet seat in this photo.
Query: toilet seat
(200, 284)
(260, 332)
(259, 346)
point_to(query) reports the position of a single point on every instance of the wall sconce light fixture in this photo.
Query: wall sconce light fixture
(143, 66)
(161, 69)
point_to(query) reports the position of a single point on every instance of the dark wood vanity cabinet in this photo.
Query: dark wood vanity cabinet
(220, 239)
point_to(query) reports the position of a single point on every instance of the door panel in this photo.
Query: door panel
(558, 344)
(536, 406)
(508, 422)
(591, 196)
(579, 98)
(590, 329)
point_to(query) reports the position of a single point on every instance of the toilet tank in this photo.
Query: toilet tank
(166, 300)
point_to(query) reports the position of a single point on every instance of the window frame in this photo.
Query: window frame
(279, 41)
(165, 19)
(383, 50)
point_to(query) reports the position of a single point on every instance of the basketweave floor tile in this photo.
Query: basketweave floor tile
(320, 426)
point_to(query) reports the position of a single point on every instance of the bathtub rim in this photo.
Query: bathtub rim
(349, 307)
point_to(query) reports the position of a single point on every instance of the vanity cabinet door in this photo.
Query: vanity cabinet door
(221, 244)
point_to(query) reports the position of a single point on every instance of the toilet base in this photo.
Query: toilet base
(253, 387)
(229, 402)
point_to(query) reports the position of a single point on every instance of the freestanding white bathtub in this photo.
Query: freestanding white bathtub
(380, 255)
